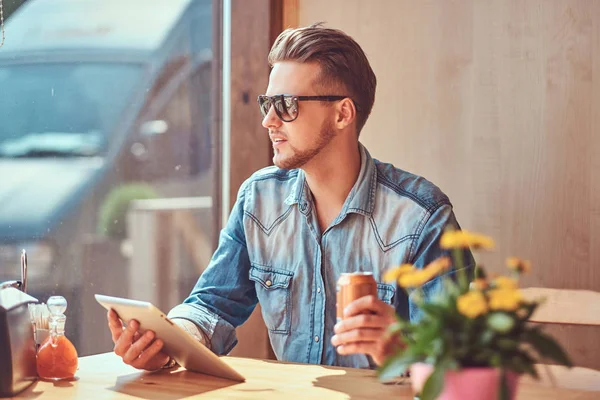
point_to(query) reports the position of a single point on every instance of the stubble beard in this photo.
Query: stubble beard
(299, 158)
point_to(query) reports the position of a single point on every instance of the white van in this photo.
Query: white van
(95, 94)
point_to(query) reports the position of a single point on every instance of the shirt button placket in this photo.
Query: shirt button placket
(316, 353)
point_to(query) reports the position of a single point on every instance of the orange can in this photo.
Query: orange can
(352, 286)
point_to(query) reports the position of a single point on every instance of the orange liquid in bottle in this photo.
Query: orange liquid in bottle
(57, 357)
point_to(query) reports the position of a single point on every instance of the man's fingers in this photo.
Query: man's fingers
(135, 350)
(115, 325)
(368, 304)
(126, 339)
(363, 321)
(151, 358)
(374, 349)
(357, 336)
(358, 348)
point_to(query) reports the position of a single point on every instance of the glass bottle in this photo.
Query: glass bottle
(57, 357)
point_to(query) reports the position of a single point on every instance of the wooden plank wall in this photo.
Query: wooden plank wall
(251, 33)
(497, 102)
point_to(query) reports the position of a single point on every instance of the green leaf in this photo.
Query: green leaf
(504, 392)
(521, 363)
(480, 272)
(435, 383)
(500, 322)
(496, 360)
(529, 309)
(483, 357)
(433, 309)
(507, 344)
(530, 369)
(486, 337)
(396, 365)
(547, 347)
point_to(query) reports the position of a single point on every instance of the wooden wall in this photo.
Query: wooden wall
(497, 102)
(251, 30)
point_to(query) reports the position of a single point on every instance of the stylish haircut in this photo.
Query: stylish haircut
(344, 65)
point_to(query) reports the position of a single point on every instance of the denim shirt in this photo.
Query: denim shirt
(273, 252)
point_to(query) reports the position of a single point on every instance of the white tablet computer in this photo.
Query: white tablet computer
(180, 345)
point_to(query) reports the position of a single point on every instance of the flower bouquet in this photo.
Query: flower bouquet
(474, 339)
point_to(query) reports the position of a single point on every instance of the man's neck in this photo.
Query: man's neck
(330, 180)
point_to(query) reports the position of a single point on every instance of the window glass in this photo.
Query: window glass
(108, 175)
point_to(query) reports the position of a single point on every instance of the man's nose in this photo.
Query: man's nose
(271, 120)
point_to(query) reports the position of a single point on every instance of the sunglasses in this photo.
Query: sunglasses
(286, 105)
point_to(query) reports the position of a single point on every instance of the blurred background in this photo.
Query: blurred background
(127, 126)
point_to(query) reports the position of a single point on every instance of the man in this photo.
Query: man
(325, 208)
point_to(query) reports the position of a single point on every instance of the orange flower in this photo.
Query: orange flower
(516, 264)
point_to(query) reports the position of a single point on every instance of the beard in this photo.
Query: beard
(299, 158)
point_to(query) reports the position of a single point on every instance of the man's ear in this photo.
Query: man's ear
(345, 113)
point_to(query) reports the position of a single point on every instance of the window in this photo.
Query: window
(97, 110)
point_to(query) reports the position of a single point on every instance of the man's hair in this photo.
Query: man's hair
(344, 65)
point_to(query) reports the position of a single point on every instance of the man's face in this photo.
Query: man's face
(296, 143)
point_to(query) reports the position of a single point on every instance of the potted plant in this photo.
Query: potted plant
(474, 339)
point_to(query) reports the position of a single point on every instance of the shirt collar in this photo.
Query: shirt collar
(361, 198)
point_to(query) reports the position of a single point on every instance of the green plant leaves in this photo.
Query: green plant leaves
(435, 383)
(395, 366)
(504, 391)
(547, 347)
(500, 322)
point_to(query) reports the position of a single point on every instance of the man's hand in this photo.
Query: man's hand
(363, 330)
(139, 351)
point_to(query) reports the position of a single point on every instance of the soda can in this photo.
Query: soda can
(352, 286)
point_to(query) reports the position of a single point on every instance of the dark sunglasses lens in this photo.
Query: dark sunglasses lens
(287, 107)
(265, 104)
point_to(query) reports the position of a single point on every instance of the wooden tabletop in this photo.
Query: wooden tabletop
(104, 376)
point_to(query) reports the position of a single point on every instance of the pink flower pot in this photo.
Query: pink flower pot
(466, 384)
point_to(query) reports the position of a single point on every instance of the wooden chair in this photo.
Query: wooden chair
(572, 307)
(563, 306)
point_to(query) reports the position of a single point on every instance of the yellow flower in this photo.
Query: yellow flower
(472, 304)
(414, 279)
(516, 264)
(418, 277)
(393, 274)
(438, 265)
(464, 239)
(504, 282)
(505, 299)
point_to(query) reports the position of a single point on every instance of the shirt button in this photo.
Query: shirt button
(318, 290)
(316, 338)
(268, 283)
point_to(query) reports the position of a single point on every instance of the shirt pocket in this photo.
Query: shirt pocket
(273, 289)
(386, 292)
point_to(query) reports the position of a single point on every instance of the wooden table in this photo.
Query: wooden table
(104, 376)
